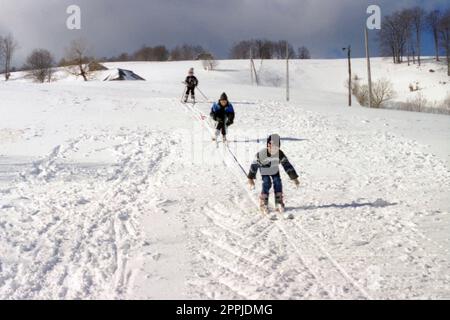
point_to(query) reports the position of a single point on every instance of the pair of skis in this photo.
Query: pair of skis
(266, 209)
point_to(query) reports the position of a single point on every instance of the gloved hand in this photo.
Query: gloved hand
(229, 123)
(296, 182)
(251, 184)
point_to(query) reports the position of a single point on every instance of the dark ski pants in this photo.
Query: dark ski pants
(222, 128)
(191, 91)
(267, 184)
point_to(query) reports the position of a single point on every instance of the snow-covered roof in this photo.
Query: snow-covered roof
(122, 75)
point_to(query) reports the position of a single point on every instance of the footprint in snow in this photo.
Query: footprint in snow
(360, 243)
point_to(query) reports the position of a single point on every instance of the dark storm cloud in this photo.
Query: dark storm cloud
(115, 26)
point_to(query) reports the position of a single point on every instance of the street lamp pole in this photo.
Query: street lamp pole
(369, 73)
(349, 50)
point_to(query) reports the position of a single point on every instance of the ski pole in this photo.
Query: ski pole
(182, 95)
(202, 94)
(225, 125)
(231, 152)
(236, 160)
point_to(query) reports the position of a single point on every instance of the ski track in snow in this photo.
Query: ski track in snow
(232, 274)
(73, 230)
(234, 267)
(77, 241)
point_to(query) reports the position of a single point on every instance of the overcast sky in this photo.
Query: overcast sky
(115, 26)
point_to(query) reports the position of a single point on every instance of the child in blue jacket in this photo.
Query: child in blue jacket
(222, 113)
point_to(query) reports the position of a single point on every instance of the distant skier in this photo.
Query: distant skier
(191, 83)
(268, 161)
(223, 113)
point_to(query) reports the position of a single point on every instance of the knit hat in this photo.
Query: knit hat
(223, 97)
(274, 139)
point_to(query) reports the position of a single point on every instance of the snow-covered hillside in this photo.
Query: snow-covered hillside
(115, 190)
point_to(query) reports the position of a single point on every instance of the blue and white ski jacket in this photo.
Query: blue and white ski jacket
(268, 165)
(219, 113)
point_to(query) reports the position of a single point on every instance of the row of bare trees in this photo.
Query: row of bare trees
(266, 49)
(79, 61)
(41, 64)
(161, 53)
(402, 32)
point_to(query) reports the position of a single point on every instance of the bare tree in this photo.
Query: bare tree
(261, 49)
(1, 53)
(411, 43)
(158, 53)
(418, 22)
(241, 50)
(433, 19)
(208, 61)
(303, 53)
(40, 64)
(144, 54)
(444, 31)
(123, 57)
(8, 46)
(186, 52)
(279, 49)
(77, 59)
(394, 34)
(264, 49)
(382, 91)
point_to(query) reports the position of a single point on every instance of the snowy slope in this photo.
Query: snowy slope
(114, 190)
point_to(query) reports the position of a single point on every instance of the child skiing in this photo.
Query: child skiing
(191, 83)
(268, 161)
(223, 113)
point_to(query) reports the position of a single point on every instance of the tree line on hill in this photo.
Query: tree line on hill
(78, 61)
(267, 49)
(401, 34)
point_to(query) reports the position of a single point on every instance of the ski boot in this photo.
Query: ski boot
(186, 99)
(279, 203)
(216, 136)
(264, 203)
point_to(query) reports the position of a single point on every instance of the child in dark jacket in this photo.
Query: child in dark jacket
(191, 83)
(223, 113)
(268, 161)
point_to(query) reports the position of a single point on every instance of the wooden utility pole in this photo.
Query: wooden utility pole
(349, 56)
(256, 74)
(287, 71)
(253, 73)
(369, 74)
(251, 64)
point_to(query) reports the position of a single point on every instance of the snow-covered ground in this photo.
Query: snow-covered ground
(114, 189)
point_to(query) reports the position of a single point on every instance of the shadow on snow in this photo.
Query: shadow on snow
(379, 203)
(260, 140)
